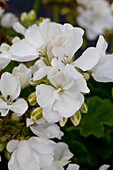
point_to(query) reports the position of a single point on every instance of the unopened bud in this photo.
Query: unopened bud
(23, 17)
(84, 108)
(7, 155)
(75, 119)
(34, 83)
(63, 121)
(36, 114)
(32, 15)
(32, 99)
(14, 117)
(86, 76)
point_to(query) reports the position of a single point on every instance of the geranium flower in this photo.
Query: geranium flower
(35, 153)
(95, 20)
(62, 99)
(10, 88)
(96, 60)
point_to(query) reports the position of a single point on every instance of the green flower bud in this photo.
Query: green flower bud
(32, 99)
(63, 121)
(24, 17)
(84, 108)
(14, 117)
(7, 155)
(75, 119)
(32, 15)
(36, 113)
(34, 83)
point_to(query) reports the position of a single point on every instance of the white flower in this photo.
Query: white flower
(34, 154)
(62, 99)
(8, 20)
(28, 48)
(23, 74)
(46, 130)
(95, 20)
(41, 40)
(62, 156)
(4, 55)
(96, 60)
(104, 167)
(10, 89)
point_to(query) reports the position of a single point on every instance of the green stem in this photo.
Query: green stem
(56, 13)
(36, 5)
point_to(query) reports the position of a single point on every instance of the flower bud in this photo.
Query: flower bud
(23, 17)
(32, 99)
(7, 155)
(14, 117)
(86, 76)
(36, 113)
(63, 121)
(84, 108)
(75, 119)
(32, 15)
(34, 83)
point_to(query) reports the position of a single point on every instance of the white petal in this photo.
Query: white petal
(60, 79)
(73, 167)
(51, 116)
(58, 52)
(12, 145)
(73, 43)
(23, 51)
(41, 145)
(44, 94)
(104, 167)
(4, 61)
(101, 44)
(29, 122)
(88, 59)
(4, 108)
(19, 28)
(24, 152)
(13, 163)
(23, 74)
(68, 105)
(42, 72)
(34, 37)
(78, 77)
(19, 107)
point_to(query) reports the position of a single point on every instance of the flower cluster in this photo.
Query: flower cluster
(94, 20)
(59, 93)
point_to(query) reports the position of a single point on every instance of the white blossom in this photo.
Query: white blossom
(62, 99)
(23, 74)
(39, 41)
(8, 20)
(46, 130)
(10, 89)
(62, 156)
(35, 153)
(95, 20)
(96, 60)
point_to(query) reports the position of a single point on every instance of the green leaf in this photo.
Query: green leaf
(100, 113)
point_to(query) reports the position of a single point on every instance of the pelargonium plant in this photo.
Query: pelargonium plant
(43, 85)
